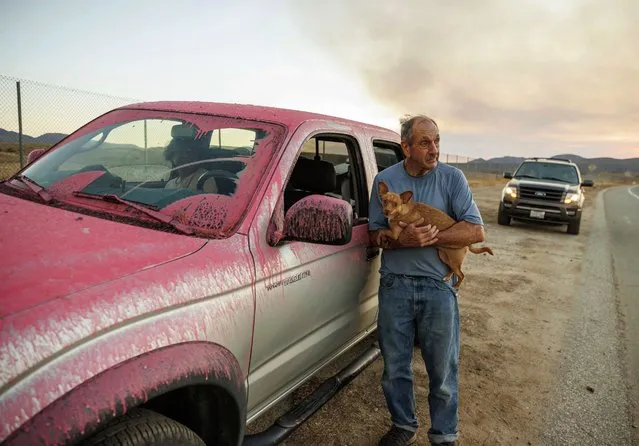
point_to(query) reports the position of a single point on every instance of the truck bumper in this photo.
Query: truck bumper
(540, 211)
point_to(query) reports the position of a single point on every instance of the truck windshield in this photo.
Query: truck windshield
(166, 161)
(548, 171)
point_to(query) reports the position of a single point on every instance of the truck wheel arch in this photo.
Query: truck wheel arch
(160, 380)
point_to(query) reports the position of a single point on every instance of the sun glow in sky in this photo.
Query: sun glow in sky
(501, 77)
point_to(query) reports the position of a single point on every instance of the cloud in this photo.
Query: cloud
(564, 72)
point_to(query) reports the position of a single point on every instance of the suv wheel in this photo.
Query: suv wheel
(502, 218)
(573, 226)
(142, 427)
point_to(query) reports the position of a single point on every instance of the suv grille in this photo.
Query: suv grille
(540, 193)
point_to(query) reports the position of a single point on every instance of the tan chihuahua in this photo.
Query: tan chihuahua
(401, 207)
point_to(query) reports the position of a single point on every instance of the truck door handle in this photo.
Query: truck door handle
(371, 252)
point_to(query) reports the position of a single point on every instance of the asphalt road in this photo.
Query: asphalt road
(622, 215)
(595, 399)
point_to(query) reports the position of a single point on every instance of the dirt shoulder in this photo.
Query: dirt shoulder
(514, 307)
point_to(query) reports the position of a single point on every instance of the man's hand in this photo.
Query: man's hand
(412, 236)
(416, 236)
(380, 239)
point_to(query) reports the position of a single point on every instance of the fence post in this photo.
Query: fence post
(20, 125)
(146, 151)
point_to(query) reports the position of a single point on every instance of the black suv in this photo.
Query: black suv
(544, 190)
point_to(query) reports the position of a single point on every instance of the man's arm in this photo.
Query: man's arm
(459, 235)
(412, 236)
(462, 233)
(469, 228)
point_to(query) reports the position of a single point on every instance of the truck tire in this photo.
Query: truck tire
(573, 226)
(142, 427)
(502, 218)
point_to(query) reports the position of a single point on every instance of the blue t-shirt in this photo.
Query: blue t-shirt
(445, 187)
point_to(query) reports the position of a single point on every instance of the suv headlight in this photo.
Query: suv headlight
(510, 192)
(572, 198)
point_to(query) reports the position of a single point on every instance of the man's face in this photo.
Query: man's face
(423, 150)
(184, 156)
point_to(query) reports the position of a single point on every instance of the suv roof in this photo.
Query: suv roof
(545, 160)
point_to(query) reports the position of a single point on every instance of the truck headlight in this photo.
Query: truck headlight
(511, 192)
(571, 198)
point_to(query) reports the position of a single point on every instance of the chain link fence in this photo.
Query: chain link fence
(36, 116)
(474, 167)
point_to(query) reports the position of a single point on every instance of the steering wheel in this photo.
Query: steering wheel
(225, 180)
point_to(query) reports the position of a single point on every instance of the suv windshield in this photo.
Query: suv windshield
(565, 173)
(200, 169)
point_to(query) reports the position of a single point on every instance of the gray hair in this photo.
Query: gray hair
(408, 122)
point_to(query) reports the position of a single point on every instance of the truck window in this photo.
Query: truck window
(343, 153)
(237, 140)
(386, 154)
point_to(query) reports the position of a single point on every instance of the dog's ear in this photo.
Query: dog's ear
(382, 188)
(406, 196)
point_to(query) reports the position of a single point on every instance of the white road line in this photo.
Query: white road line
(625, 217)
(632, 193)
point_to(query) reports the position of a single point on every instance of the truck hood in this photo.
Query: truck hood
(544, 183)
(50, 253)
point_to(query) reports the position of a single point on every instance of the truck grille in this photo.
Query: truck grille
(540, 193)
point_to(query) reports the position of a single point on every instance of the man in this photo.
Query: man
(412, 293)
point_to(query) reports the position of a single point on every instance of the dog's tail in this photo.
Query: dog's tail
(481, 250)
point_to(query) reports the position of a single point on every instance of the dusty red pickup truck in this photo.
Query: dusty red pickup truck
(172, 270)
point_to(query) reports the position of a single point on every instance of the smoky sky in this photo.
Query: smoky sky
(565, 74)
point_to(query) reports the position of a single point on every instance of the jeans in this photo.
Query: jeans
(430, 306)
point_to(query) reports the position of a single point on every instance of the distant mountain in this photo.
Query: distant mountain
(47, 138)
(500, 160)
(570, 156)
(497, 165)
(50, 138)
(7, 136)
(612, 165)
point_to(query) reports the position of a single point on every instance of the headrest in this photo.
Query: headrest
(189, 136)
(314, 175)
(184, 131)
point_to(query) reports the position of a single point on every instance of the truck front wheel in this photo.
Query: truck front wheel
(573, 226)
(142, 427)
(502, 218)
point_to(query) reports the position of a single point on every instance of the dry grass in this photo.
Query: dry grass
(10, 163)
(607, 180)
(14, 148)
(10, 156)
(481, 179)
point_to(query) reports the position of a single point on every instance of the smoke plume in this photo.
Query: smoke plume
(563, 72)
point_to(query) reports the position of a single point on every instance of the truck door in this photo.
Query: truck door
(312, 300)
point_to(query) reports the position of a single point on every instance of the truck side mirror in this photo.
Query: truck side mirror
(34, 155)
(319, 219)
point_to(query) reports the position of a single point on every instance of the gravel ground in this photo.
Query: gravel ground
(515, 308)
(591, 404)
